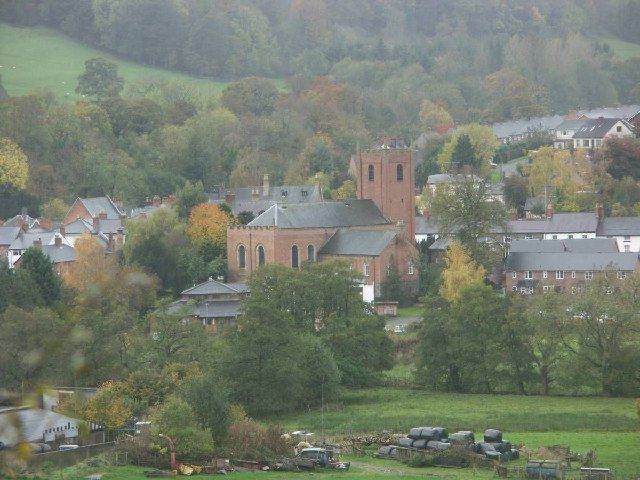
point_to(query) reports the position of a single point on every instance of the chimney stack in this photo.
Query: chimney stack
(96, 224)
(58, 241)
(63, 231)
(549, 210)
(265, 185)
(229, 197)
(119, 238)
(37, 243)
(255, 193)
(599, 211)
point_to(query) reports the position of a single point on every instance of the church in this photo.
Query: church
(372, 233)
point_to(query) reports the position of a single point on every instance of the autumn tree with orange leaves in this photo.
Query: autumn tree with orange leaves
(207, 229)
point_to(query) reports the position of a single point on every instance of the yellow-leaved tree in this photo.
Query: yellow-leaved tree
(109, 406)
(460, 271)
(14, 167)
(483, 141)
(551, 170)
(93, 268)
(207, 229)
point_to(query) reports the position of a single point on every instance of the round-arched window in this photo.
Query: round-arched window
(260, 255)
(371, 173)
(311, 253)
(295, 261)
(242, 257)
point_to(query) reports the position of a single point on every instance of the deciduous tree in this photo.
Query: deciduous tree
(460, 271)
(14, 167)
(100, 79)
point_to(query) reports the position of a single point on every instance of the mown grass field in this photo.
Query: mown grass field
(608, 426)
(34, 58)
(622, 49)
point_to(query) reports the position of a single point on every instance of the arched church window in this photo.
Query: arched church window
(260, 255)
(242, 260)
(294, 257)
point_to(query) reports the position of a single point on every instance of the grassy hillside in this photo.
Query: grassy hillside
(623, 49)
(40, 58)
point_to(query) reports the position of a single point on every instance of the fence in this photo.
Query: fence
(66, 458)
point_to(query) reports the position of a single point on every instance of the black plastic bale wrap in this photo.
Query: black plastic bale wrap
(515, 453)
(484, 447)
(462, 438)
(421, 443)
(436, 445)
(502, 447)
(429, 433)
(493, 455)
(493, 436)
(405, 442)
(386, 450)
(441, 432)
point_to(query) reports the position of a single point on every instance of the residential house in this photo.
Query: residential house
(24, 240)
(289, 234)
(556, 226)
(62, 255)
(151, 206)
(575, 245)
(566, 271)
(215, 303)
(566, 130)
(595, 131)
(625, 231)
(259, 199)
(439, 181)
(635, 121)
(427, 228)
(90, 208)
(7, 236)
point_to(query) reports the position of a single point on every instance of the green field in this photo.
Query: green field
(622, 49)
(41, 58)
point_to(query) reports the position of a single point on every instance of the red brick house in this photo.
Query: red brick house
(371, 233)
(89, 208)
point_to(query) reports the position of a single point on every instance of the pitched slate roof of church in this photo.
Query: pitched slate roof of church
(346, 213)
(358, 242)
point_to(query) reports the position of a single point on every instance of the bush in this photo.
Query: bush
(249, 440)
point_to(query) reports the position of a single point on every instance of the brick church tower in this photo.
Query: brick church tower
(385, 175)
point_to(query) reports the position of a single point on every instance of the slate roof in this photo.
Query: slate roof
(18, 219)
(210, 309)
(347, 213)
(441, 243)
(213, 287)
(358, 242)
(575, 245)
(8, 235)
(426, 226)
(622, 226)
(78, 227)
(244, 199)
(571, 124)
(59, 254)
(25, 240)
(558, 223)
(438, 178)
(596, 127)
(531, 202)
(96, 205)
(519, 261)
(110, 225)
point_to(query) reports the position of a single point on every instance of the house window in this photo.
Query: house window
(303, 193)
(284, 193)
(528, 275)
(547, 288)
(515, 274)
(242, 260)
(622, 275)
(573, 290)
(573, 274)
(410, 267)
(564, 132)
(371, 173)
(559, 274)
(570, 236)
(294, 257)
(584, 235)
(530, 290)
(514, 288)
(260, 255)
(627, 248)
(523, 290)
(311, 253)
(618, 128)
(588, 275)
(627, 238)
(507, 239)
(399, 173)
(365, 269)
(555, 237)
(528, 237)
(544, 274)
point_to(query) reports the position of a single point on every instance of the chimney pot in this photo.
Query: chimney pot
(58, 241)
